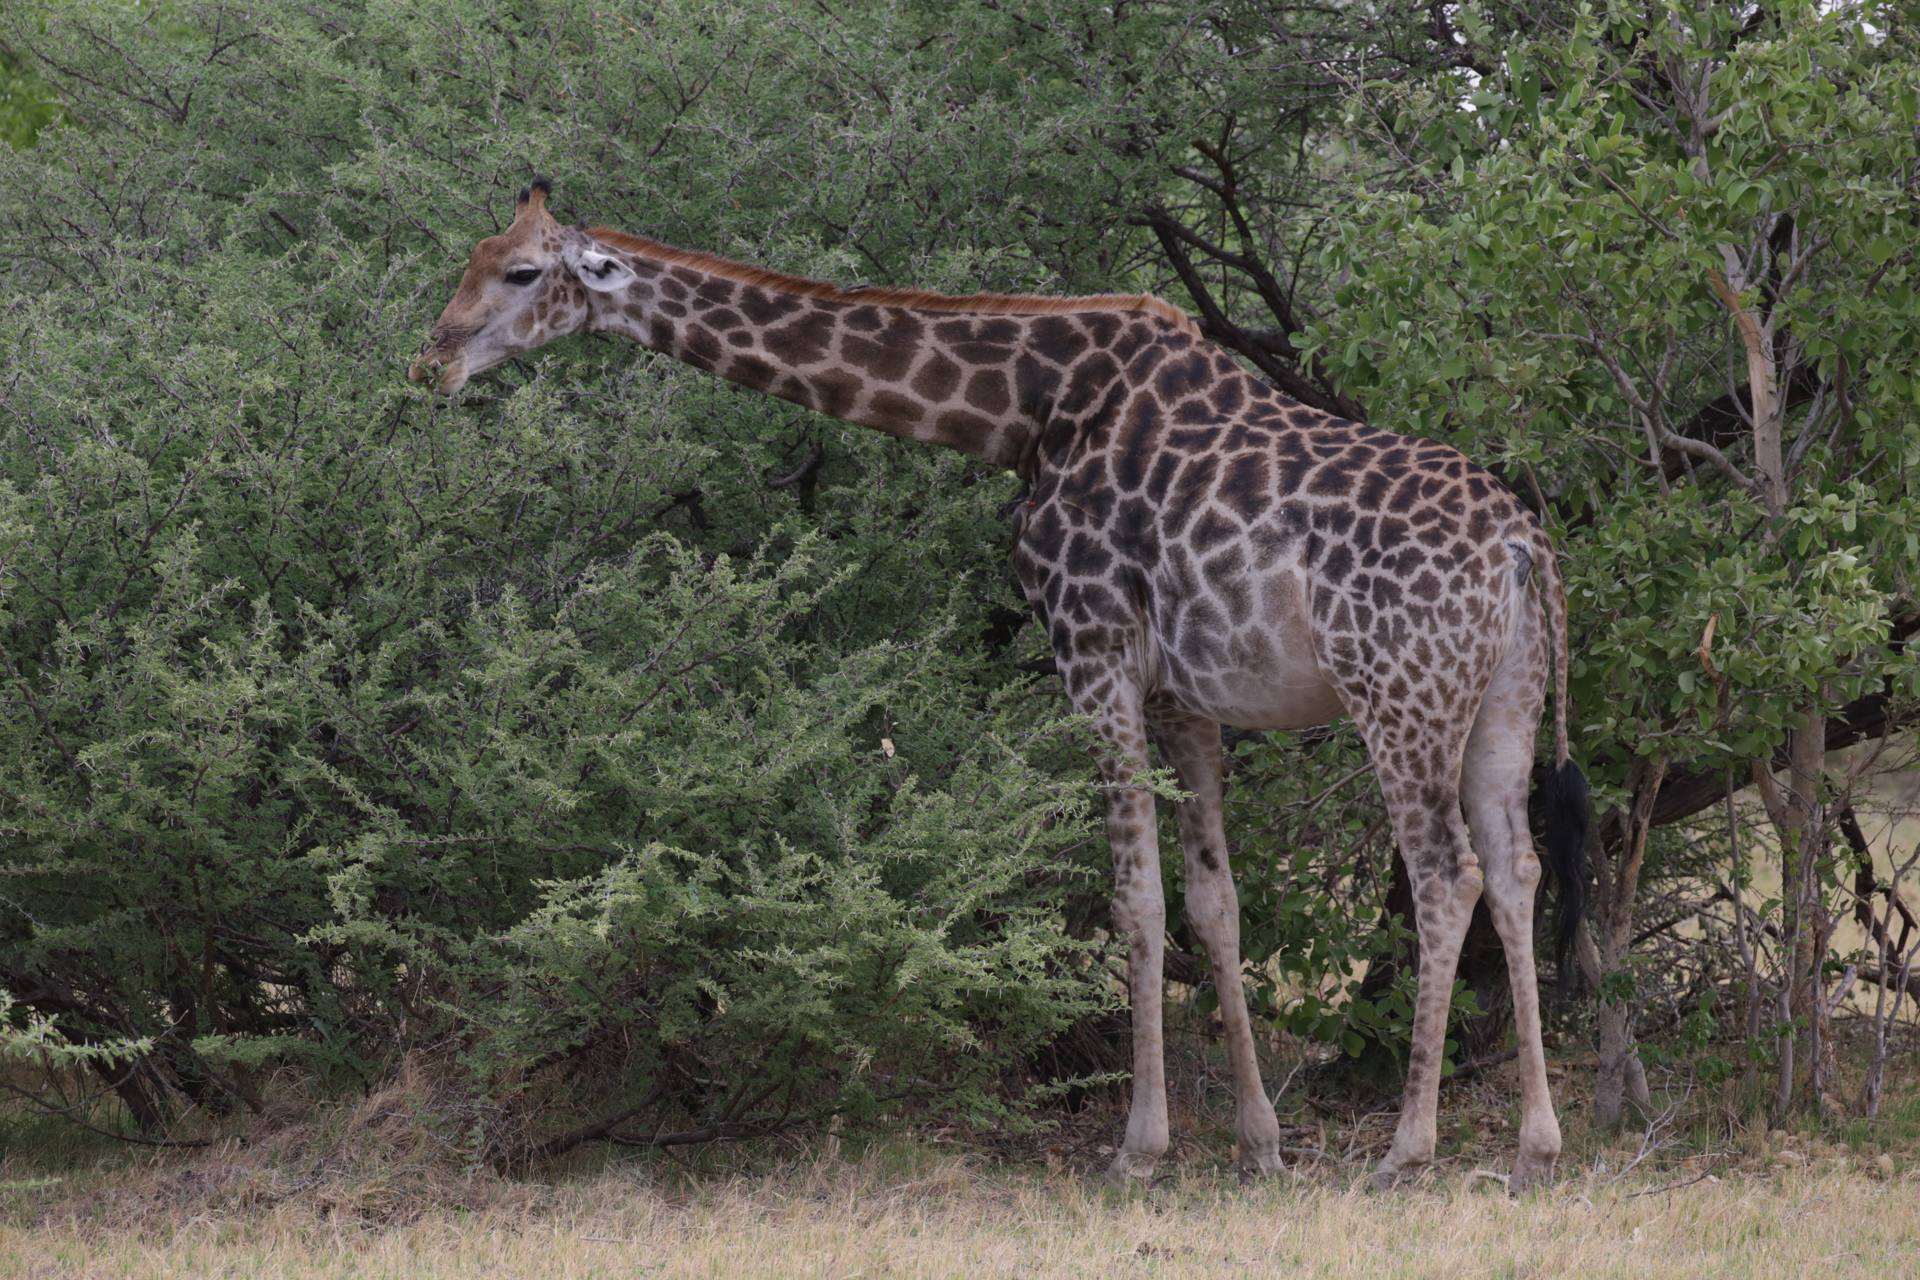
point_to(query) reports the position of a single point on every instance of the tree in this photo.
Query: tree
(1662, 268)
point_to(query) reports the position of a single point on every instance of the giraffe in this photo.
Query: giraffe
(1202, 551)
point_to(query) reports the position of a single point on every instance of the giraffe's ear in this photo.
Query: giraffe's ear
(598, 271)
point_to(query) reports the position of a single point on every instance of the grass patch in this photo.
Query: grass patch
(904, 1211)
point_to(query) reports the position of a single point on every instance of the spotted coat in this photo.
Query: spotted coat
(1202, 551)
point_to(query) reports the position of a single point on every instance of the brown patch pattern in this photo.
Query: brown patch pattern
(1201, 551)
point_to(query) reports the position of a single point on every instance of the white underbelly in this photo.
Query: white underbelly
(1281, 696)
(1260, 674)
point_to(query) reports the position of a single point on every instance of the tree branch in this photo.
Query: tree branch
(1258, 346)
(600, 1128)
(66, 1113)
(711, 1133)
(1648, 407)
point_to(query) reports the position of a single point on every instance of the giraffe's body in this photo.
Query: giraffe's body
(1202, 550)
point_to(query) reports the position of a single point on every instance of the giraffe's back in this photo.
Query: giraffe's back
(1259, 563)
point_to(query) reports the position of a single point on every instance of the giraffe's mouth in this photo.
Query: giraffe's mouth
(443, 375)
(442, 361)
(430, 369)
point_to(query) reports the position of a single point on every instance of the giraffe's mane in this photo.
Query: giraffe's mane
(918, 299)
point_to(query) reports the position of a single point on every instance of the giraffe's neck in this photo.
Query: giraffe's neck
(984, 375)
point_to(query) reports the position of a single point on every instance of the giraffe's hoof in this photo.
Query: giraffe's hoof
(1128, 1168)
(1260, 1164)
(1530, 1172)
(1389, 1176)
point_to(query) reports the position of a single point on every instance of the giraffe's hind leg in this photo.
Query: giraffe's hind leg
(1192, 747)
(1415, 723)
(1424, 801)
(1496, 771)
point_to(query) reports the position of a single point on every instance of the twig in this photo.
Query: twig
(710, 1133)
(601, 1129)
(67, 1114)
(1671, 1186)
(1358, 1125)
(1281, 1092)
(1650, 1142)
(1321, 799)
(1467, 1070)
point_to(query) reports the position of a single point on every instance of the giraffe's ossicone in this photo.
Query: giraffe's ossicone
(1202, 551)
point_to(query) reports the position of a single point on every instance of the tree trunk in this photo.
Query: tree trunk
(1618, 870)
(1797, 818)
(1747, 948)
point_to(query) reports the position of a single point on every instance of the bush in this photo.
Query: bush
(539, 727)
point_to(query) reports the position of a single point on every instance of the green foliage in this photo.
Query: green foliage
(1309, 861)
(343, 672)
(345, 722)
(1548, 302)
(544, 724)
(1648, 580)
(27, 103)
(34, 1037)
(1654, 265)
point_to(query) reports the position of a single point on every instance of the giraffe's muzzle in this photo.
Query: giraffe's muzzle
(437, 364)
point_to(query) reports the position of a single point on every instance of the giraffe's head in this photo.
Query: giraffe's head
(531, 284)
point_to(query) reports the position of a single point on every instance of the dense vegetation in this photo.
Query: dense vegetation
(644, 744)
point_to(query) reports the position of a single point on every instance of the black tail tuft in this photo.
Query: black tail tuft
(1564, 801)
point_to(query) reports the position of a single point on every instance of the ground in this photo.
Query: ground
(953, 1218)
(363, 1191)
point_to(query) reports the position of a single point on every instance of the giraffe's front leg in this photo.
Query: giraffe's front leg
(1140, 915)
(1192, 747)
(1139, 903)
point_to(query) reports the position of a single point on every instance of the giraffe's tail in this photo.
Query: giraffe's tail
(1563, 793)
(1553, 591)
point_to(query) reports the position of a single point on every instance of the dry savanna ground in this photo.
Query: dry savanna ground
(368, 1191)
(956, 1220)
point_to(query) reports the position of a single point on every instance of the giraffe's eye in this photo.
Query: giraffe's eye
(523, 275)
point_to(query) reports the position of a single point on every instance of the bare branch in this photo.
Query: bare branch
(66, 1113)
(1799, 264)
(1713, 457)
(599, 1129)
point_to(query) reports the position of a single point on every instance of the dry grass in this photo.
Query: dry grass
(368, 1190)
(952, 1217)
(386, 1186)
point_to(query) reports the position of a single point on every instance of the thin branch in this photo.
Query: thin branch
(599, 1129)
(1799, 264)
(1631, 394)
(711, 1133)
(1707, 453)
(66, 1113)
(1648, 218)
(1321, 799)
